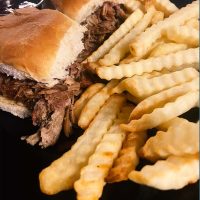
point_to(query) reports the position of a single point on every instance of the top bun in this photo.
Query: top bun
(79, 10)
(39, 44)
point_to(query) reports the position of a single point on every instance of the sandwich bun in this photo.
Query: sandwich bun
(13, 107)
(39, 44)
(80, 10)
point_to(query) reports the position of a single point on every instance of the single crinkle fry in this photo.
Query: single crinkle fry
(166, 6)
(129, 59)
(122, 47)
(173, 173)
(179, 140)
(116, 36)
(63, 172)
(89, 92)
(194, 23)
(160, 99)
(142, 87)
(170, 61)
(144, 41)
(128, 158)
(165, 113)
(94, 104)
(183, 34)
(167, 48)
(91, 181)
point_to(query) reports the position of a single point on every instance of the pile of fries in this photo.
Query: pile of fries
(151, 63)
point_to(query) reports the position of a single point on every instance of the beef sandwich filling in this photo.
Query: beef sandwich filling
(49, 106)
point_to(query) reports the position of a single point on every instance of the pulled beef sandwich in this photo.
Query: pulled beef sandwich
(40, 63)
(38, 74)
(100, 17)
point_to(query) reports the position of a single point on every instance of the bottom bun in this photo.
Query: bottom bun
(13, 107)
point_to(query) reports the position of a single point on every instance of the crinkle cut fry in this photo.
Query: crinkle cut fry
(183, 35)
(57, 177)
(173, 173)
(144, 41)
(122, 47)
(160, 99)
(94, 104)
(116, 36)
(170, 61)
(160, 115)
(165, 6)
(128, 157)
(179, 140)
(91, 182)
(142, 87)
(89, 92)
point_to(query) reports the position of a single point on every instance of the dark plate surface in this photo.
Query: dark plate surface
(21, 164)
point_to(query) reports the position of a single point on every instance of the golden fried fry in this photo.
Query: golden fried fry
(89, 92)
(163, 114)
(143, 43)
(142, 87)
(128, 158)
(167, 48)
(166, 6)
(173, 173)
(122, 47)
(91, 182)
(116, 36)
(183, 34)
(160, 99)
(63, 172)
(179, 140)
(179, 59)
(94, 104)
(129, 59)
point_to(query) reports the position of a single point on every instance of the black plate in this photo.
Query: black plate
(21, 164)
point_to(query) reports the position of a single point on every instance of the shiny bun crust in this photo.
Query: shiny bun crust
(39, 43)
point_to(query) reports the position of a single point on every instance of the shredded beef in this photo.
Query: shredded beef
(49, 105)
(101, 24)
(50, 132)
